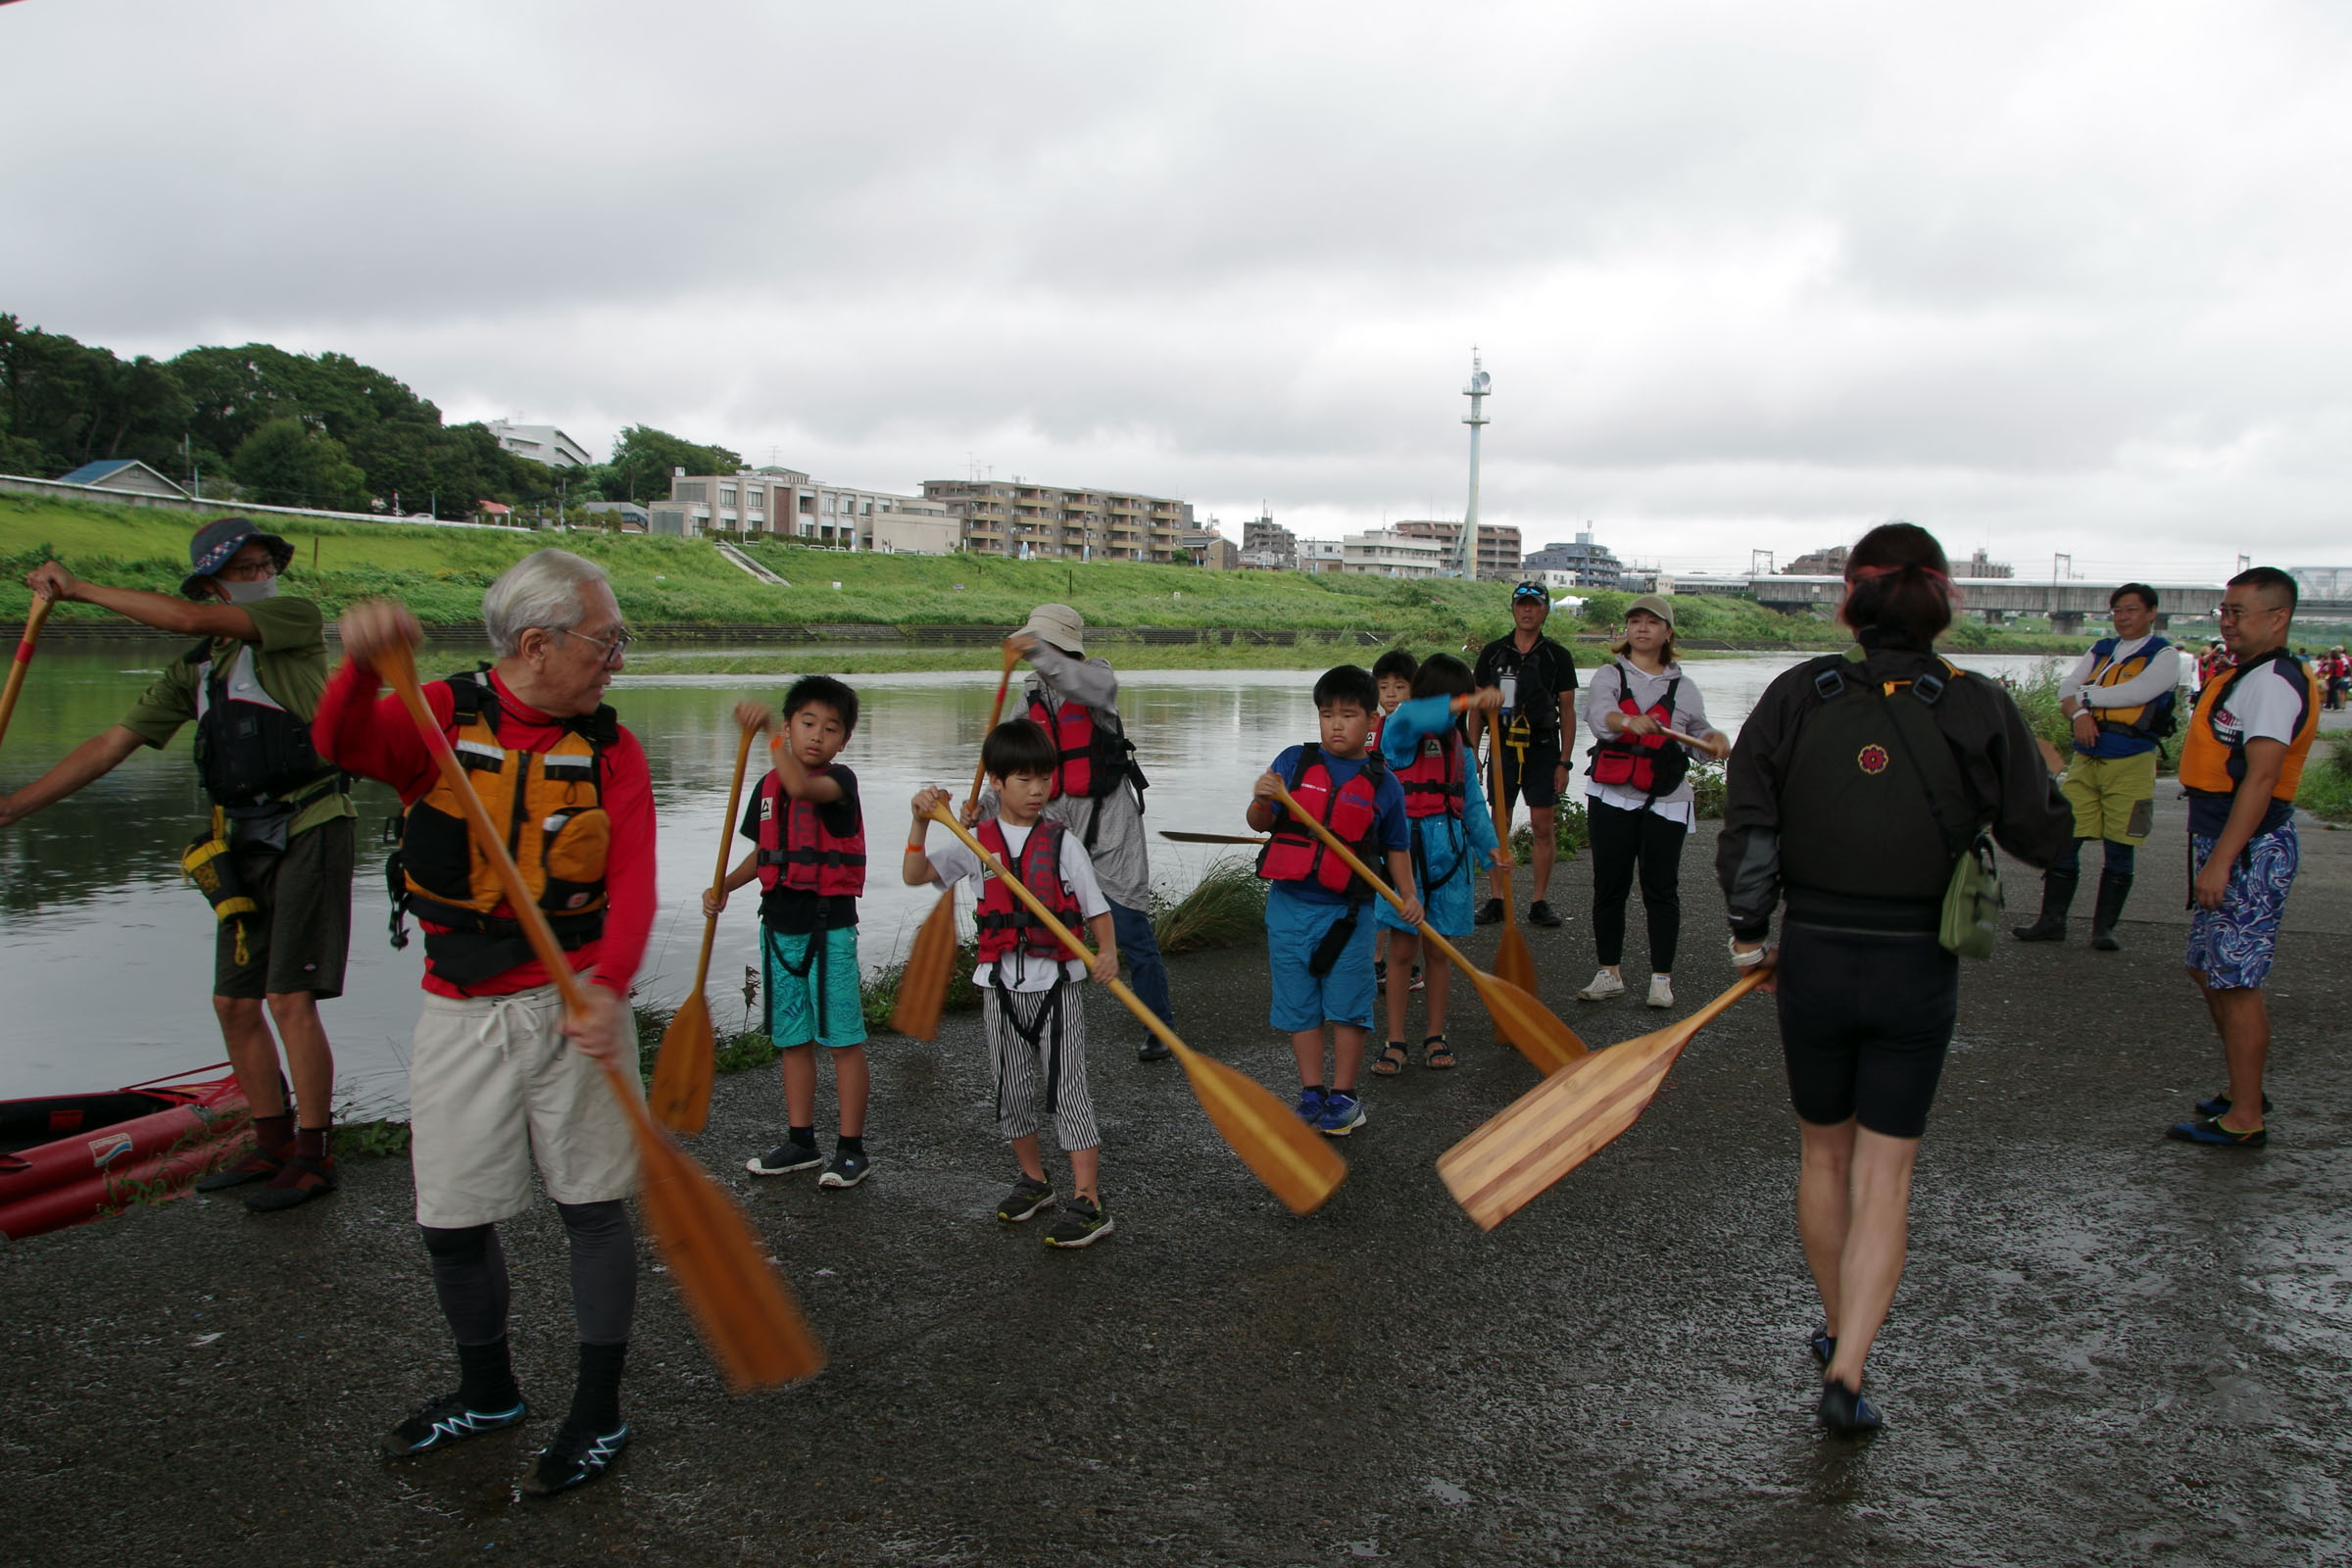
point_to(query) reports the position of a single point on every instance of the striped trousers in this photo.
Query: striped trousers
(1036, 1050)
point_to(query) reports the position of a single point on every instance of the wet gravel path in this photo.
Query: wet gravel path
(2108, 1349)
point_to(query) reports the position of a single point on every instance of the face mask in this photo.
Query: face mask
(245, 593)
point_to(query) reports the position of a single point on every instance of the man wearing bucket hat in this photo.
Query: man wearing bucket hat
(1536, 677)
(276, 861)
(1098, 791)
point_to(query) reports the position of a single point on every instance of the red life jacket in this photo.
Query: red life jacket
(1351, 813)
(1433, 784)
(1631, 762)
(798, 850)
(1004, 921)
(1094, 756)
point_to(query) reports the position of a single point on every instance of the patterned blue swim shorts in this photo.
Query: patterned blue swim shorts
(2234, 943)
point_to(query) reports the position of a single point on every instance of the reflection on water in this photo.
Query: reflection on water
(106, 956)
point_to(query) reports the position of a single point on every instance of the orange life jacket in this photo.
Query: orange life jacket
(2213, 766)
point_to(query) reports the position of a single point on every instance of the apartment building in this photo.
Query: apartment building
(1269, 547)
(1390, 552)
(1498, 547)
(1321, 555)
(1589, 565)
(541, 443)
(1045, 522)
(1206, 546)
(786, 503)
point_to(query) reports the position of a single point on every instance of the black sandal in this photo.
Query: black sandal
(1393, 1059)
(1436, 1052)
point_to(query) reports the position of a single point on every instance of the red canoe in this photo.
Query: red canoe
(67, 1158)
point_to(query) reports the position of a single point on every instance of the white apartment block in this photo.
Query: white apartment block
(786, 503)
(1044, 522)
(541, 443)
(1387, 553)
(1320, 554)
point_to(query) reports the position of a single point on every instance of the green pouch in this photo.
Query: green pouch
(1972, 902)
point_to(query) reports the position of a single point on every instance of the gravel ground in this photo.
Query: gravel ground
(2108, 1348)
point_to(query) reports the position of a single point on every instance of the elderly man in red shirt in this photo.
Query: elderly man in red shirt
(500, 1078)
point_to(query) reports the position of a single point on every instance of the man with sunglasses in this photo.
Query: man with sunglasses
(277, 861)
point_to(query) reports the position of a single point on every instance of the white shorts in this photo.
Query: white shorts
(494, 1089)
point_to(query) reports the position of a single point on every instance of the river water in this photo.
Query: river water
(106, 955)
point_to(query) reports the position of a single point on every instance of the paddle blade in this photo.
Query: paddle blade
(746, 1312)
(680, 1095)
(923, 983)
(1296, 1164)
(1523, 1021)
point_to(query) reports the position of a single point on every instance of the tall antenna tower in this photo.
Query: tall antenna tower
(1465, 548)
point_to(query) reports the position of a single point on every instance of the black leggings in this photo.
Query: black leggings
(470, 1275)
(1864, 1020)
(1621, 841)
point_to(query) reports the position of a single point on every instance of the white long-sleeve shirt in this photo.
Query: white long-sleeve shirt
(2163, 674)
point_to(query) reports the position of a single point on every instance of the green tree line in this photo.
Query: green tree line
(259, 423)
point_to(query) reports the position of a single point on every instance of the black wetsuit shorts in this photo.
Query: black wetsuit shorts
(1865, 1019)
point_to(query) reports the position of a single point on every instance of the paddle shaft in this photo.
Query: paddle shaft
(42, 603)
(1331, 842)
(1210, 838)
(1062, 933)
(718, 878)
(995, 712)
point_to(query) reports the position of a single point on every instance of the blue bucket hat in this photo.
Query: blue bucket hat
(217, 542)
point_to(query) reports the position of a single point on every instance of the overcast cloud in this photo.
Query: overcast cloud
(2044, 277)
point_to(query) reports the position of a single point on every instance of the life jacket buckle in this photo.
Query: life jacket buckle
(1927, 688)
(1829, 685)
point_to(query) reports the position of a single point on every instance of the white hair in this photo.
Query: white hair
(543, 589)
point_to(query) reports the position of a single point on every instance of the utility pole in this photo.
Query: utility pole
(2058, 559)
(1465, 548)
(1759, 562)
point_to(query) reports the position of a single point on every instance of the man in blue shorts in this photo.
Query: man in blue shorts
(2240, 763)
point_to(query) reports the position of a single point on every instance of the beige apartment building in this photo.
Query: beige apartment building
(1047, 522)
(788, 504)
(1498, 548)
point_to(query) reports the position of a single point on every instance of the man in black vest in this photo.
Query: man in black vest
(1536, 676)
(249, 687)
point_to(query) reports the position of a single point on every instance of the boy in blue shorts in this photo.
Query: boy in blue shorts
(810, 857)
(1318, 945)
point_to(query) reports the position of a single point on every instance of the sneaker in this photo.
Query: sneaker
(1661, 991)
(2217, 1105)
(1604, 986)
(1540, 913)
(785, 1157)
(1154, 1049)
(1825, 1345)
(1843, 1410)
(2209, 1130)
(1342, 1114)
(1027, 1196)
(1416, 985)
(302, 1180)
(445, 1421)
(1311, 1106)
(575, 1458)
(1489, 913)
(847, 1168)
(1081, 1223)
(254, 1167)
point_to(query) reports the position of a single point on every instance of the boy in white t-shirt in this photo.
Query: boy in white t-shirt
(1030, 1006)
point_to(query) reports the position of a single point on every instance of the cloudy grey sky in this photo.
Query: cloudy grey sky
(2044, 277)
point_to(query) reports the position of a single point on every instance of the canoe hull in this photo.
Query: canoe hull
(76, 1157)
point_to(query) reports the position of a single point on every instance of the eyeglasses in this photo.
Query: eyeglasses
(249, 571)
(2236, 612)
(614, 647)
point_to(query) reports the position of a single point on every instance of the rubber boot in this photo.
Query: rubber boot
(2114, 888)
(2057, 896)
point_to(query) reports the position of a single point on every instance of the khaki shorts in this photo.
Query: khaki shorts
(493, 1090)
(2113, 796)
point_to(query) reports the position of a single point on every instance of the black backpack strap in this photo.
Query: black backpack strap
(1955, 844)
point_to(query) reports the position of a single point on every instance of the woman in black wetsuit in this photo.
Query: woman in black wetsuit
(1855, 785)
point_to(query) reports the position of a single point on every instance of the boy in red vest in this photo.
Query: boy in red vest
(809, 857)
(1318, 945)
(1030, 1007)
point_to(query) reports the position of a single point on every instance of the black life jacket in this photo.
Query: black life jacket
(248, 753)
(1855, 821)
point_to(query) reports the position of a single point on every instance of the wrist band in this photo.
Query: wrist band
(1744, 961)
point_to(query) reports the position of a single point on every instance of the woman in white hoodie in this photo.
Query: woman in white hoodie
(1638, 800)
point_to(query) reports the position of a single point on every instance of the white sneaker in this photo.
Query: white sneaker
(1604, 986)
(1661, 991)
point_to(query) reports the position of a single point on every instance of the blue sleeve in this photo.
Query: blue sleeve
(1401, 732)
(1478, 819)
(1396, 833)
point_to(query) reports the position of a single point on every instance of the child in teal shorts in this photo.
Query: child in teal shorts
(809, 857)
(1318, 942)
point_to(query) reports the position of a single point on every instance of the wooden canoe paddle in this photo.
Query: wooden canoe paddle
(1519, 1018)
(1296, 1164)
(1515, 964)
(680, 1095)
(1212, 837)
(42, 603)
(745, 1311)
(1558, 1125)
(923, 983)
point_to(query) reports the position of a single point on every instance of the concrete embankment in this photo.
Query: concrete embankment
(2107, 1349)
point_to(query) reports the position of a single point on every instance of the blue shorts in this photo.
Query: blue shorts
(1294, 927)
(1441, 875)
(813, 991)
(2233, 945)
